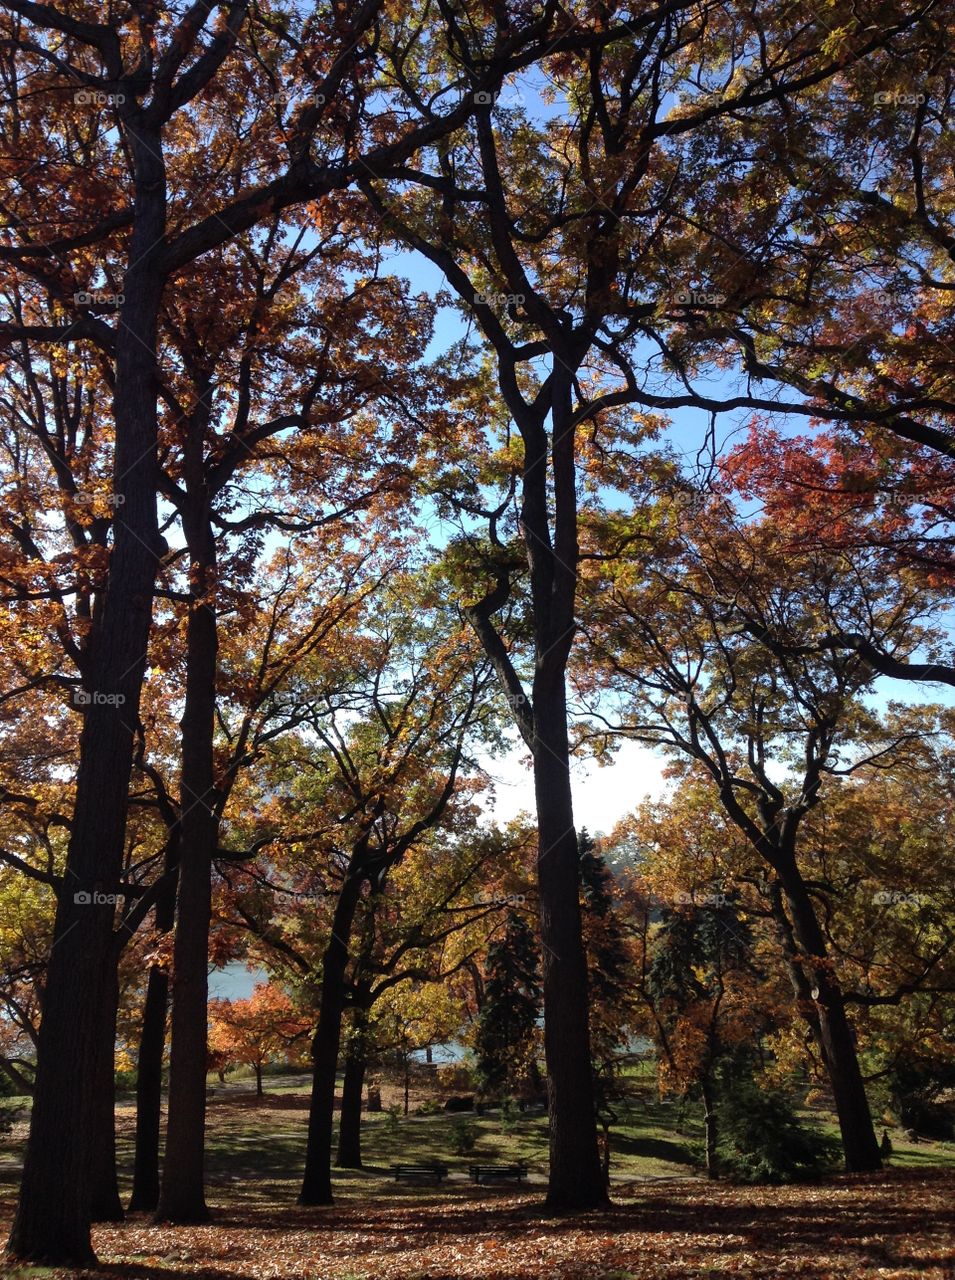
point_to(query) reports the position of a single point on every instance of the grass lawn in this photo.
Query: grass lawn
(666, 1221)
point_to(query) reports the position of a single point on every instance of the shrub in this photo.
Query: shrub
(761, 1139)
(429, 1108)
(457, 1077)
(464, 1135)
(917, 1086)
(509, 1114)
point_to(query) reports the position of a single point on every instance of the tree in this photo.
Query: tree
(117, 248)
(256, 1030)
(564, 286)
(711, 692)
(704, 985)
(506, 1039)
(382, 763)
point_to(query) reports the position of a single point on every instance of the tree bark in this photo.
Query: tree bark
(317, 1179)
(576, 1180)
(182, 1193)
(52, 1222)
(709, 1128)
(349, 1128)
(259, 1091)
(833, 1031)
(152, 1045)
(105, 1204)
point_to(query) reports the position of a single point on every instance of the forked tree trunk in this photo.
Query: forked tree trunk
(549, 527)
(52, 1222)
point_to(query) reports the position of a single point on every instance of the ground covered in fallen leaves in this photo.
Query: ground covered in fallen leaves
(893, 1225)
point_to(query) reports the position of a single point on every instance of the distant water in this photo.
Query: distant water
(441, 1054)
(234, 982)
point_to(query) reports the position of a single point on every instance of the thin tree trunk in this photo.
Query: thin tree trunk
(152, 1045)
(710, 1128)
(259, 1091)
(106, 1205)
(52, 1222)
(349, 1129)
(317, 1179)
(182, 1193)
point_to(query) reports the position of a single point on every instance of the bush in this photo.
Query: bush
(457, 1077)
(464, 1135)
(429, 1108)
(509, 1114)
(761, 1139)
(917, 1086)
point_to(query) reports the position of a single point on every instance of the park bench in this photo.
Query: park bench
(498, 1172)
(427, 1171)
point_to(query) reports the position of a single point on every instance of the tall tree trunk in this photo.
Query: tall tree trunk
(152, 1044)
(349, 1128)
(105, 1204)
(52, 1222)
(182, 1193)
(576, 1180)
(833, 1030)
(317, 1180)
(259, 1091)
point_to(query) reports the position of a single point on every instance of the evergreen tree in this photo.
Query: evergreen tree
(700, 956)
(506, 1034)
(609, 967)
(610, 979)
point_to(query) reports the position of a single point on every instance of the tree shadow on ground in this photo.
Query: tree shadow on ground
(655, 1148)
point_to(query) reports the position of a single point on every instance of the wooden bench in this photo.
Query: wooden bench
(498, 1172)
(428, 1171)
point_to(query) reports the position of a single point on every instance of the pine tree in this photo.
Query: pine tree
(610, 980)
(506, 1034)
